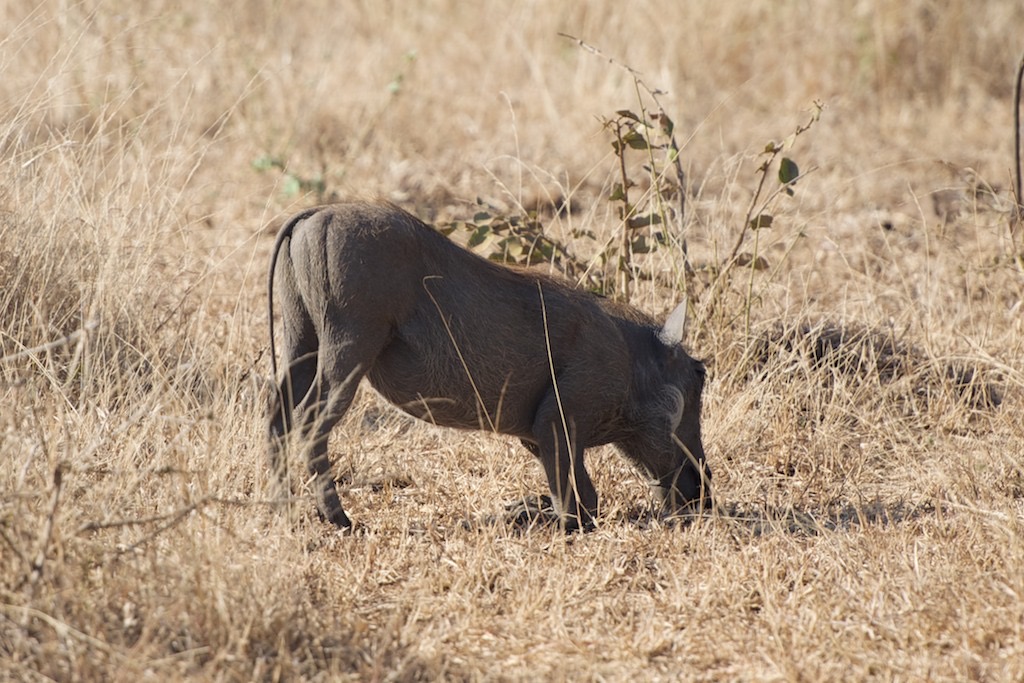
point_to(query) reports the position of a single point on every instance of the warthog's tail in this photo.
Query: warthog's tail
(284, 233)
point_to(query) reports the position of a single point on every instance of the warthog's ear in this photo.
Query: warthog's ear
(675, 326)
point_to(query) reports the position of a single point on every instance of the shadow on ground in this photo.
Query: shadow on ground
(532, 511)
(763, 519)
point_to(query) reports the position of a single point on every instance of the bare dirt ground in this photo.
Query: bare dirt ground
(863, 411)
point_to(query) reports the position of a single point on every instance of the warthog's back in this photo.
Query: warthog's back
(469, 339)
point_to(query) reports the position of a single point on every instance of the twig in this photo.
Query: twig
(7, 539)
(458, 351)
(611, 60)
(37, 565)
(1018, 213)
(171, 519)
(195, 505)
(563, 495)
(62, 628)
(653, 93)
(55, 344)
(757, 206)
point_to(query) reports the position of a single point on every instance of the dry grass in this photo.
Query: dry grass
(871, 523)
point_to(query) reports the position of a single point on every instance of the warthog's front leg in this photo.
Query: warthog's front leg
(561, 455)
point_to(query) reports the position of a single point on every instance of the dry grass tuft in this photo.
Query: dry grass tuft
(862, 417)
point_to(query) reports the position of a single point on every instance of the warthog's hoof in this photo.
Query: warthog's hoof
(335, 516)
(527, 513)
(531, 511)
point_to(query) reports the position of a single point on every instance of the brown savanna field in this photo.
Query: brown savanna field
(871, 488)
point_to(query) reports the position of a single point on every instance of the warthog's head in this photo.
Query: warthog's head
(685, 486)
(671, 450)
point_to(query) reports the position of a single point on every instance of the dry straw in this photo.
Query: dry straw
(870, 523)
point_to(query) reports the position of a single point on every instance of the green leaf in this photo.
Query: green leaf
(788, 171)
(513, 250)
(643, 221)
(667, 126)
(266, 162)
(481, 216)
(545, 251)
(291, 186)
(627, 114)
(640, 245)
(635, 140)
(618, 194)
(762, 221)
(478, 236)
(314, 184)
(746, 259)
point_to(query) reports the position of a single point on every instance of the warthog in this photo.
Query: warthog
(457, 340)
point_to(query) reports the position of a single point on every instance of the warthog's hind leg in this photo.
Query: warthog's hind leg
(315, 414)
(325, 404)
(293, 387)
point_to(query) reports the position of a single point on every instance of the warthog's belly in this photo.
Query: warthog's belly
(445, 392)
